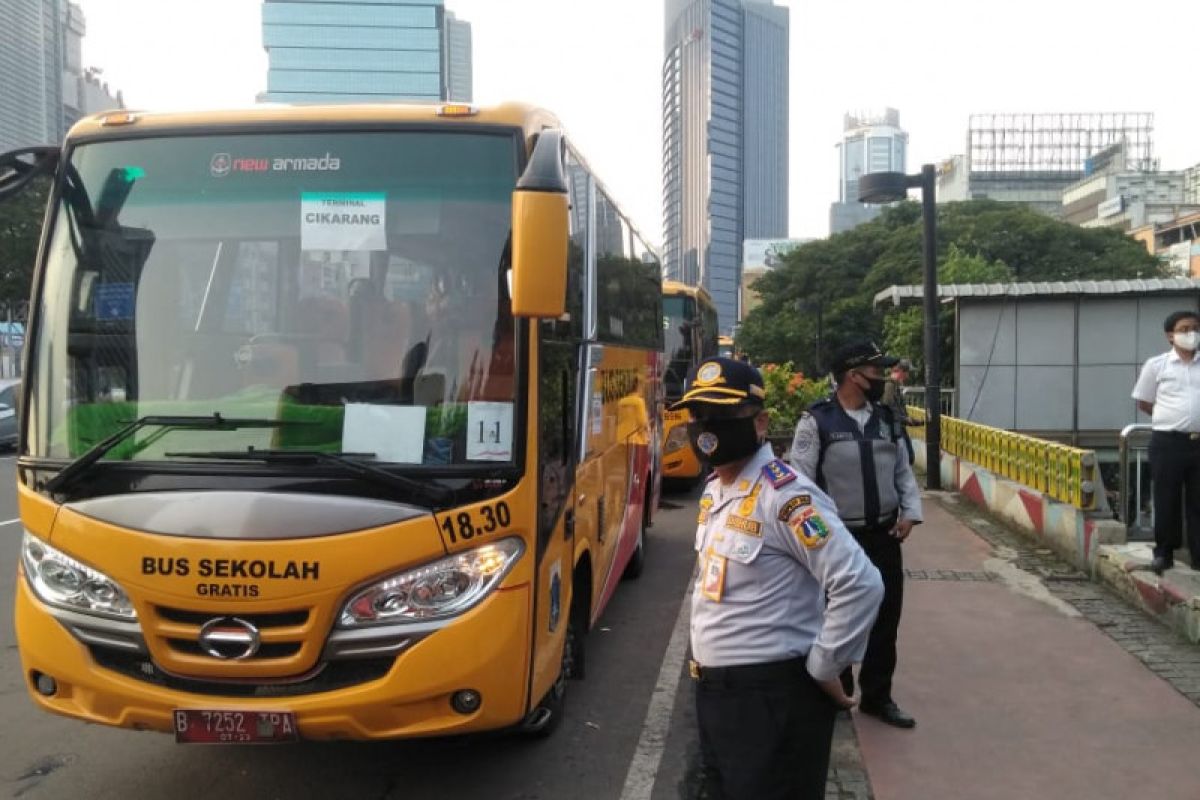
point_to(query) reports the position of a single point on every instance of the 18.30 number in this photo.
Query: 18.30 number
(464, 525)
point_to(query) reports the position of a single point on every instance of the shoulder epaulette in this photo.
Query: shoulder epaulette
(778, 473)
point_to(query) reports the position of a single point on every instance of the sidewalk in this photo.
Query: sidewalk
(1019, 696)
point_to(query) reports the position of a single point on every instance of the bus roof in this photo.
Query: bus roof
(677, 288)
(120, 124)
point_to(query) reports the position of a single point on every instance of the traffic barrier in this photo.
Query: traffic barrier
(1066, 474)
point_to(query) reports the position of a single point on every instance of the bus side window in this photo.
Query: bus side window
(556, 426)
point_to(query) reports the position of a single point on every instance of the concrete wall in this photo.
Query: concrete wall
(1074, 534)
(1053, 366)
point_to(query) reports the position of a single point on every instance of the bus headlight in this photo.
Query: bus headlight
(677, 439)
(444, 588)
(59, 580)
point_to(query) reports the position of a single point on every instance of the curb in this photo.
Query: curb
(1172, 598)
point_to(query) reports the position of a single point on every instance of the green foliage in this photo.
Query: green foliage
(822, 295)
(20, 231)
(789, 393)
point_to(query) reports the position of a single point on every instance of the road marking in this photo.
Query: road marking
(643, 769)
(10, 522)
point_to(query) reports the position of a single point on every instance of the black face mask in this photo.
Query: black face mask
(874, 392)
(723, 441)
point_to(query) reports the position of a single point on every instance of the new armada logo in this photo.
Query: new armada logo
(220, 165)
(229, 638)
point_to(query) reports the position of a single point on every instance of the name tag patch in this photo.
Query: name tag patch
(743, 524)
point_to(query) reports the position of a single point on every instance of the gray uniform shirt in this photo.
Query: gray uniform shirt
(779, 575)
(806, 450)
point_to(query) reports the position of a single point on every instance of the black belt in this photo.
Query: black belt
(1188, 435)
(748, 673)
(885, 524)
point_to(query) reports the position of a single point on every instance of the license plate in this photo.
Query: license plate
(193, 726)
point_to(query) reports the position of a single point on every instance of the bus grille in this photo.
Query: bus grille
(327, 678)
(290, 643)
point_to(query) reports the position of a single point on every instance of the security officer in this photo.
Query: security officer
(783, 601)
(854, 448)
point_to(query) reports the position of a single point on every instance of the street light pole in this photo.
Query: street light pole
(889, 187)
(933, 349)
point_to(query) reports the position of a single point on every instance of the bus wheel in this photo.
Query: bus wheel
(637, 562)
(547, 715)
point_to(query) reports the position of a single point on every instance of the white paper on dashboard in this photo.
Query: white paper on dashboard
(343, 221)
(392, 433)
(489, 431)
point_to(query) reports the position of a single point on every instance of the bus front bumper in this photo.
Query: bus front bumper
(485, 650)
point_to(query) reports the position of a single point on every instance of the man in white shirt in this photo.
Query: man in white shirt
(1169, 391)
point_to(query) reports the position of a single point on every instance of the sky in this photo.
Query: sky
(597, 64)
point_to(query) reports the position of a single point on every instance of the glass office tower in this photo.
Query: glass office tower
(725, 130)
(354, 51)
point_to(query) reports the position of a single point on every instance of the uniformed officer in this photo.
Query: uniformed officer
(783, 601)
(854, 448)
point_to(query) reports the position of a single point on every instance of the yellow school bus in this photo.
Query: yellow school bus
(689, 337)
(339, 422)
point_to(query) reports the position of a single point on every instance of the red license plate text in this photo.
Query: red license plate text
(194, 726)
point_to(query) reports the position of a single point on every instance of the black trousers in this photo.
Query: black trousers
(879, 664)
(765, 732)
(1175, 469)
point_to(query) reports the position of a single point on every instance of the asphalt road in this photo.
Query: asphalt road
(606, 730)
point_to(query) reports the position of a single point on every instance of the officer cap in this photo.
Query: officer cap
(859, 354)
(722, 382)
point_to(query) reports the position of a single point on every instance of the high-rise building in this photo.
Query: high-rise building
(725, 132)
(83, 92)
(32, 44)
(457, 57)
(1032, 158)
(870, 143)
(44, 88)
(365, 50)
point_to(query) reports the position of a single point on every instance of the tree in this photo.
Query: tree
(20, 232)
(824, 291)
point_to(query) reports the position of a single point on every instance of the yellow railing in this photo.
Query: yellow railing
(1065, 473)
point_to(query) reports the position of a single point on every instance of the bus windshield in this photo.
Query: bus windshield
(679, 318)
(348, 285)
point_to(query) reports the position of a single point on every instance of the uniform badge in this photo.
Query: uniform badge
(714, 577)
(750, 526)
(708, 373)
(778, 473)
(706, 502)
(810, 529)
(743, 485)
(703, 518)
(791, 505)
(746, 507)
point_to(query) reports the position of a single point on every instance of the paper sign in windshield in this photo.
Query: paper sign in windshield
(343, 221)
(489, 431)
(392, 433)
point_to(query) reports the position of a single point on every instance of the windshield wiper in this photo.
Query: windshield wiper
(80, 465)
(348, 461)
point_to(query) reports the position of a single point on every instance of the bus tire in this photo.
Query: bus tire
(637, 561)
(547, 715)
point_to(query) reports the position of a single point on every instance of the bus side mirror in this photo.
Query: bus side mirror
(540, 231)
(19, 167)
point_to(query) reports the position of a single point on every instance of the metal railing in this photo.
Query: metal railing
(915, 396)
(1136, 511)
(1067, 474)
